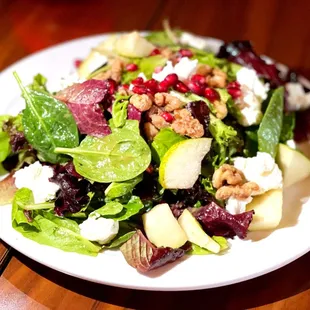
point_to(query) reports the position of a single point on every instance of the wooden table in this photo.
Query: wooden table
(278, 28)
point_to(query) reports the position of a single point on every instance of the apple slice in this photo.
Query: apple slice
(162, 228)
(133, 45)
(294, 165)
(268, 210)
(181, 165)
(195, 233)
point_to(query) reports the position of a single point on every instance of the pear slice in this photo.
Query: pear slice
(268, 210)
(294, 165)
(133, 45)
(94, 61)
(181, 165)
(162, 228)
(195, 233)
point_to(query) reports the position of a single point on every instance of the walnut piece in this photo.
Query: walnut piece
(227, 174)
(141, 102)
(115, 72)
(184, 124)
(221, 109)
(217, 78)
(158, 121)
(203, 70)
(150, 130)
(169, 102)
(239, 192)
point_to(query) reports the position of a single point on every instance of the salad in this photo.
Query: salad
(157, 147)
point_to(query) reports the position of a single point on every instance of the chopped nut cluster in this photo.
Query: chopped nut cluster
(221, 109)
(214, 76)
(159, 122)
(115, 72)
(141, 102)
(186, 125)
(169, 102)
(230, 182)
(150, 130)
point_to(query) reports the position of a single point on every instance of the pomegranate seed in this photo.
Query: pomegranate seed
(195, 88)
(126, 86)
(171, 79)
(233, 85)
(151, 86)
(158, 69)
(198, 78)
(137, 81)
(111, 85)
(181, 87)
(234, 92)
(155, 51)
(149, 169)
(131, 67)
(211, 94)
(162, 86)
(185, 53)
(139, 89)
(168, 117)
(77, 63)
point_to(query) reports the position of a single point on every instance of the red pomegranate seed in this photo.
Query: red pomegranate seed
(77, 63)
(151, 85)
(111, 85)
(126, 86)
(211, 94)
(198, 78)
(162, 86)
(234, 92)
(149, 169)
(139, 89)
(185, 53)
(196, 88)
(155, 51)
(234, 84)
(168, 117)
(181, 87)
(137, 81)
(131, 67)
(158, 69)
(171, 79)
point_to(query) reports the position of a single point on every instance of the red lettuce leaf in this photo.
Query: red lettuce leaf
(7, 189)
(87, 102)
(217, 221)
(241, 52)
(133, 113)
(144, 256)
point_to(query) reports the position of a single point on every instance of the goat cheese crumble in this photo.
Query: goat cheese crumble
(36, 178)
(183, 69)
(193, 41)
(297, 98)
(99, 229)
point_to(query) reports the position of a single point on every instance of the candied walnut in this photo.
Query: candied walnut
(217, 78)
(184, 124)
(124, 91)
(239, 192)
(158, 121)
(169, 102)
(115, 72)
(141, 102)
(221, 109)
(203, 70)
(166, 52)
(150, 130)
(227, 174)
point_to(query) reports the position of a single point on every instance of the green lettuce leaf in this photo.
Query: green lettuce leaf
(39, 84)
(119, 110)
(197, 250)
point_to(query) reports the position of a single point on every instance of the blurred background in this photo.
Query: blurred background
(277, 28)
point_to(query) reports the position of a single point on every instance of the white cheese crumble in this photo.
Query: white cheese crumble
(36, 178)
(184, 68)
(100, 229)
(249, 78)
(235, 206)
(193, 41)
(261, 169)
(297, 98)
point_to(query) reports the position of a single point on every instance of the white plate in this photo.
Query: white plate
(259, 254)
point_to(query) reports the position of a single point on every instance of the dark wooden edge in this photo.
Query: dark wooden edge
(5, 257)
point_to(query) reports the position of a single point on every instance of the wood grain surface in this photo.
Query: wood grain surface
(278, 28)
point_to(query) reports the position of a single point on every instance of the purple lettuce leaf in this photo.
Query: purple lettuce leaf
(200, 110)
(141, 254)
(87, 102)
(217, 221)
(72, 196)
(133, 113)
(242, 53)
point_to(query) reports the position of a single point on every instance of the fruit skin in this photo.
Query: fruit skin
(133, 45)
(294, 165)
(268, 210)
(195, 233)
(162, 228)
(181, 165)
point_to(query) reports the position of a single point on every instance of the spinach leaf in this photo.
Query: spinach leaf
(250, 142)
(197, 250)
(288, 126)
(111, 208)
(130, 124)
(48, 229)
(270, 128)
(118, 189)
(117, 157)
(133, 206)
(163, 142)
(39, 84)
(48, 124)
(120, 240)
(119, 110)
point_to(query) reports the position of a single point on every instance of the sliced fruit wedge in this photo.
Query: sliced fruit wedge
(195, 233)
(294, 165)
(181, 165)
(162, 228)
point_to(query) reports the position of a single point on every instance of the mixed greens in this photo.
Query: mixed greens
(160, 149)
